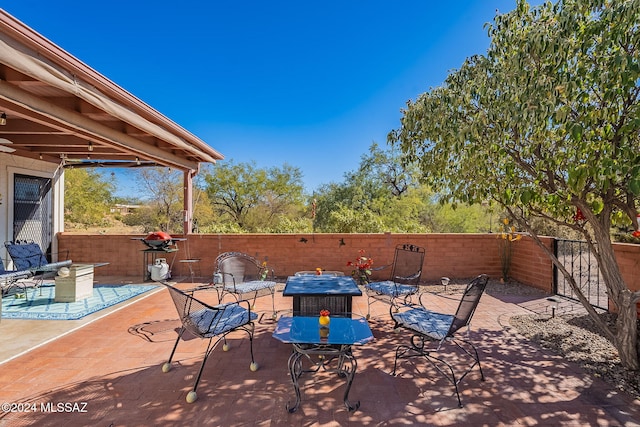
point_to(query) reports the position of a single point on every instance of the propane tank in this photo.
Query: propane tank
(160, 270)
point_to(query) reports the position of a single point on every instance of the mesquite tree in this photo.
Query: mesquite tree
(546, 124)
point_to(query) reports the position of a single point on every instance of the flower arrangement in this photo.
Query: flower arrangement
(507, 236)
(636, 233)
(324, 319)
(361, 267)
(265, 271)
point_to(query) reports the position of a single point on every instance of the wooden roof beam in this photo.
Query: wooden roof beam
(83, 125)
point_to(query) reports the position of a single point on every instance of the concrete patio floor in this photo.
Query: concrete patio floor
(105, 370)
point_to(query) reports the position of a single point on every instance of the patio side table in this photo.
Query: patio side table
(328, 345)
(78, 285)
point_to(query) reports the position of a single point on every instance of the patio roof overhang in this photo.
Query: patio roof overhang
(60, 110)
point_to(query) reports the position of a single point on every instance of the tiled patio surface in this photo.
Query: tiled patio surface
(113, 365)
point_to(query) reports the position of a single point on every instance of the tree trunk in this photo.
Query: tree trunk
(627, 331)
(626, 340)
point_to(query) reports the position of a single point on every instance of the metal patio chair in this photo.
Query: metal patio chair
(242, 276)
(430, 330)
(28, 256)
(405, 272)
(13, 279)
(208, 322)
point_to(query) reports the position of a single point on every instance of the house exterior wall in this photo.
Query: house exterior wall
(11, 165)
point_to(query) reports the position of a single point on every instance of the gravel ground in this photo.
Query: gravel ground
(576, 338)
(573, 336)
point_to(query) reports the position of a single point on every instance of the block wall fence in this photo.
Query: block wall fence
(453, 255)
(459, 256)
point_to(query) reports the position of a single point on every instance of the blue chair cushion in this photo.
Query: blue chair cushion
(26, 255)
(430, 323)
(29, 256)
(391, 289)
(252, 286)
(210, 323)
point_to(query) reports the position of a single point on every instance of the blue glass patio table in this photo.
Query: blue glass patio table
(330, 344)
(323, 292)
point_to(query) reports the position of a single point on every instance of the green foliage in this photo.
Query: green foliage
(256, 199)
(163, 206)
(146, 217)
(548, 120)
(203, 212)
(87, 196)
(448, 218)
(126, 200)
(544, 124)
(380, 195)
(371, 198)
(164, 200)
(384, 195)
(290, 224)
(346, 220)
(221, 228)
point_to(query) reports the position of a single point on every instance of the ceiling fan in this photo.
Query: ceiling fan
(3, 146)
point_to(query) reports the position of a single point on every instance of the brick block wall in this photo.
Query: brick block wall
(452, 255)
(531, 265)
(628, 256)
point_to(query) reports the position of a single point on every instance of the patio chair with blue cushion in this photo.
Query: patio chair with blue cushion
(405, 272)
(241, 275)
(27, 256)
(430, 330)
(208, 322)
(13, 279)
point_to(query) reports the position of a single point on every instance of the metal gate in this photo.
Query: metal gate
(580, 262)
(32, 218)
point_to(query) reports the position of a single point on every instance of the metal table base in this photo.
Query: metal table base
(326, 347)
(327, 354)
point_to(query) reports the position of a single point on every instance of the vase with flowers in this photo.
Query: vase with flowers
(636, 233)
(324, 318)
(361, 268)
(265, 271)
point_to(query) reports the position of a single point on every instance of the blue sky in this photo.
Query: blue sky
(311, 84)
